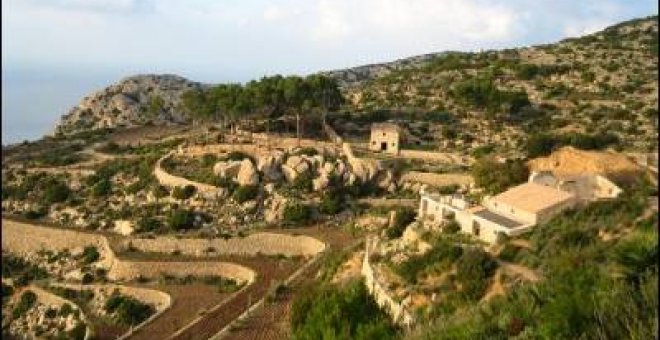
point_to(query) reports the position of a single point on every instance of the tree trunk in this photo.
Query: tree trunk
(298, 127)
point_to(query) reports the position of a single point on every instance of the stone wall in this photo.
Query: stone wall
(332, 134)
(260, 243)
(435, 156)
(437, 179)
(169, 180)
(20, 238)
(396, 310)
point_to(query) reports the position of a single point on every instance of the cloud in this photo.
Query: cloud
(99, 6)
(259, 36)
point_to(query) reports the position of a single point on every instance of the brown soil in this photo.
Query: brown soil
(187, 303)
(269, 270)
(569, 161)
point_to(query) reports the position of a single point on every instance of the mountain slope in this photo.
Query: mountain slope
(132, 101)
(604, 82)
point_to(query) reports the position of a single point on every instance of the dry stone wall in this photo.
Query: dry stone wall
(437, 179)
(384, 299)
(255, 244)
(20, 238)
(169, 180)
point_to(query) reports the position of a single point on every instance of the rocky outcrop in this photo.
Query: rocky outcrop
(247, 174)
(133, 101)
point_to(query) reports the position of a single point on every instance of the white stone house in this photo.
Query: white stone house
(516, 210)
(385, 137)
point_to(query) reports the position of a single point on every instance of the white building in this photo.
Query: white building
(518, 209)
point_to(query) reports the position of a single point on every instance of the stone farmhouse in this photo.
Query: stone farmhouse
(516, 210)
(385, 137)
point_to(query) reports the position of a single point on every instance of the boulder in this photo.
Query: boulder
(247, 174)
(290, 174)
(320, 183)
(270, 167)
(328, 168)
(227, 169)
(275, 211)
(123, 227)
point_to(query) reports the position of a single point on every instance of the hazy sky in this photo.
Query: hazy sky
(58, 50)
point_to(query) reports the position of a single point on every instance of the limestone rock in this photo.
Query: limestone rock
(227, 169)
(123, 227)
(320, 183)
(247, 174)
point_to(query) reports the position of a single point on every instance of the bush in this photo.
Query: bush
(90, 254)
(87, 278)
(297, 213)
(148, 224)
(245, 193)
(28, 299)
(102, 188)
(307, 151)
(128, 310)
(65, 310)
(441, 256)
(403, 217)
(160, 191)
(181, 219)
(473, 269)
(496, 177)
(56, 192)
(452, 227)
(184, 192)
(347, 313)
(331, 203)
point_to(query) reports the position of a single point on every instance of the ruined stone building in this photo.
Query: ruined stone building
(385, 137)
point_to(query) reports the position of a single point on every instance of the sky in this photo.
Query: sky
(56, 51)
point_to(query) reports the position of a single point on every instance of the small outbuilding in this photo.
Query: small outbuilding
(385, 137)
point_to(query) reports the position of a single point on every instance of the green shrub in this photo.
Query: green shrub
(440, 257)
(128, 310)
(87, 278)
(349, 312)
(148, 224)
(297, 213)
(181, 219)
(403, 217)
(65, 310)
(102, 188)
(7, 291)
(184, 192)
(331, 203)
(473, 270)
(90, 254)
(496, 177)
(28, 299)
(56, 192)
(78, 331)
(245, 193)
(452, 227)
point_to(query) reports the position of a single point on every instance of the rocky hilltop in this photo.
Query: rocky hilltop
(356, 76)
(134, 100)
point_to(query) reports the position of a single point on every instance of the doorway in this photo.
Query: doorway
(383, 146)
(476, 228)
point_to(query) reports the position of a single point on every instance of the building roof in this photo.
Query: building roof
(498, 219)
(388, 127)
(532, 197)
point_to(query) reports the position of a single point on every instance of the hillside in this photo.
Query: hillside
(133, 101)
(600, 87)
(604, 82)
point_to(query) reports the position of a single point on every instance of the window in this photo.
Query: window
(383, 134)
